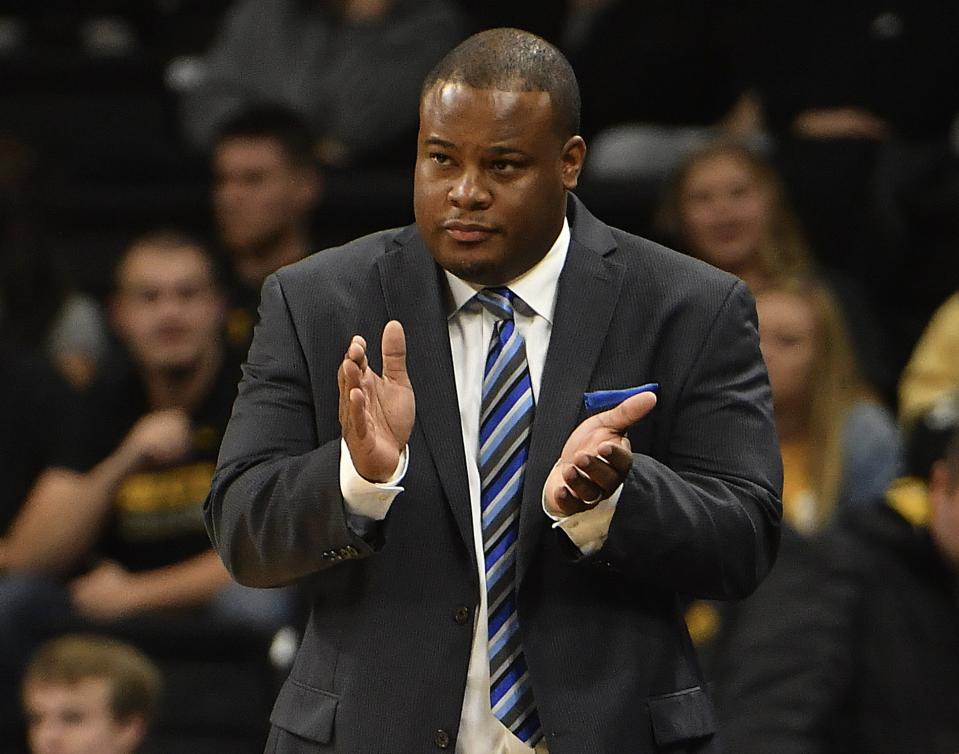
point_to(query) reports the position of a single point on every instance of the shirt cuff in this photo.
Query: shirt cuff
(588, 529)
(364, 498)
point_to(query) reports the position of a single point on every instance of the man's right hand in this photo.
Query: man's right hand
(160, 437)
(376, 412)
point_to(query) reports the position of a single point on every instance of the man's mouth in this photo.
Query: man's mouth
(466, 232)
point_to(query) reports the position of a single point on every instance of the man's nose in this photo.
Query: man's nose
(469, 191)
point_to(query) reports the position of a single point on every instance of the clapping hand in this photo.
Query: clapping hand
(596, 457)
(376, 412)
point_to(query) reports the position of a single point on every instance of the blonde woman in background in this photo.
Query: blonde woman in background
(839, 445)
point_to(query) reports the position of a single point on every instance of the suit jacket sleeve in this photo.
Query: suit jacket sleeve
(703, 517)
(275, 510)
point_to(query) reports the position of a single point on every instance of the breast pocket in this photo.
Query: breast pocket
(304, 711)
(682, 716)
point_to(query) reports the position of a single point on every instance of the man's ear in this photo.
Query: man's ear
(573, 156)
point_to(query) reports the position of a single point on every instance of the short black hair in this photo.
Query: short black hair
(273, 121)
(514, 60)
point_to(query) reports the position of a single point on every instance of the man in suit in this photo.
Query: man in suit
(332, 473)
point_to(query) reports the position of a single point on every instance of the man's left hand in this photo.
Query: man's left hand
(596, 458)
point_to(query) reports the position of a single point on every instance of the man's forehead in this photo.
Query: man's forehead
(490, 115)
(454, 93)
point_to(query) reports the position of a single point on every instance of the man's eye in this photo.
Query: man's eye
(439, 158)
(501, 166)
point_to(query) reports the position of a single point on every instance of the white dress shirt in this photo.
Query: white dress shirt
(471, 329)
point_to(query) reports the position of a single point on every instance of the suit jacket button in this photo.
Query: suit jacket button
(461, 614)
(442, 739)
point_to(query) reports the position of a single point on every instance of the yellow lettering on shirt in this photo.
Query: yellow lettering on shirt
(165, 490)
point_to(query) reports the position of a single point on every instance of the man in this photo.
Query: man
(853, 645)
(325, 476)
(89, 695)
(266, 184)
(114, 528)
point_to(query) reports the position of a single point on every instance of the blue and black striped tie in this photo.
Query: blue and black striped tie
(505, 422)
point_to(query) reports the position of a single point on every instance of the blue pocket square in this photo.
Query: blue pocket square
(600, 400)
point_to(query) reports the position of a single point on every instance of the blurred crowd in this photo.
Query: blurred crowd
(159, 160)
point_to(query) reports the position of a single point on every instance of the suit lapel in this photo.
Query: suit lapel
(586, 297)
(415, 294)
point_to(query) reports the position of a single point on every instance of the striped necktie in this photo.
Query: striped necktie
(506, 417)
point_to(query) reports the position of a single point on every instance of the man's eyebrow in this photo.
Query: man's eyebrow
(435, 141)
(504, 150)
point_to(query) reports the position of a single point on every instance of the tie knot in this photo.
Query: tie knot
(498, 301)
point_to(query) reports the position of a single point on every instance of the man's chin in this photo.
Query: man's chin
(476, 268)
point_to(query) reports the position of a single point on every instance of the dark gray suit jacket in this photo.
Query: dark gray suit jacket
(382, 666)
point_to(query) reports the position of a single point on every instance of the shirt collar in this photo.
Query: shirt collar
(537, 286)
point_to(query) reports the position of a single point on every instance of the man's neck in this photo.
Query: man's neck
(253, 268)
(182, 388)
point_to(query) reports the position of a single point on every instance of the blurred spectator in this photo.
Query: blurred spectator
(38, 309)
(933, 368)
(89, 695)
(353, 68)
(839, 447)
(114, 528)
(727, 206)
(853, 644)
(266, 183)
